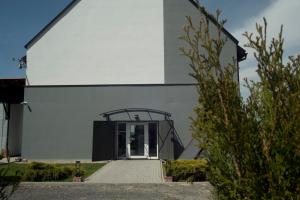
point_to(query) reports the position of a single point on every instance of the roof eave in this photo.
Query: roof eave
(214, 21)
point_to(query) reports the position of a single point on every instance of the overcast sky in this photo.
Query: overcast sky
(20, 20)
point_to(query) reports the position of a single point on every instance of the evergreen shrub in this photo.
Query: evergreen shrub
(187, 170)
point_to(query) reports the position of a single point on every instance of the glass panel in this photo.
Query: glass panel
(122, 140)
(152, 139)
(137, 140)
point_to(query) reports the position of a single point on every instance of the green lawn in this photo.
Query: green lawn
(15, 170)
(88, 168)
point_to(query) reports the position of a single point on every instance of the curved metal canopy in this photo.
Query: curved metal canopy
(130, 110)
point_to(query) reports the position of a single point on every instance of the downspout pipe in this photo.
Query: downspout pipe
(7, 117)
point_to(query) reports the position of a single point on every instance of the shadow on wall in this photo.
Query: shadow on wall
(178, 146)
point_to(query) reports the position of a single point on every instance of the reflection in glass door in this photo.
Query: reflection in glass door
(137, 140)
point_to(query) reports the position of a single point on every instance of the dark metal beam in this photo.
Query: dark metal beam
(128, 115)
(7, 110)
(150, 116)
(129, 110)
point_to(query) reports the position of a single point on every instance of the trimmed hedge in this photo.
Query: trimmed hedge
(46, 172)
(14, 172)
(187, 170)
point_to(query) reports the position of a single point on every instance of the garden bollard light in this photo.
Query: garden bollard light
(77, 167)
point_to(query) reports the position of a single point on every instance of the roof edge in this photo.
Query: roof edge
(42, 32)
(73, 3)
(212, 18)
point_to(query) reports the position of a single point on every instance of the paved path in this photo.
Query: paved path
(128, 171)
(91, 191)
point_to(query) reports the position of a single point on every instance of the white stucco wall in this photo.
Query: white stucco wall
(102, 42)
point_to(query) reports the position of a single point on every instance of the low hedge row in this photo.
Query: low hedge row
(187, 170)
(47, 172)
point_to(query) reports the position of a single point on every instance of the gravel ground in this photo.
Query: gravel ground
(84, 191)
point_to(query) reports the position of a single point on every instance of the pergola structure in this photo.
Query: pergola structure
(135, 110)
(167, 117)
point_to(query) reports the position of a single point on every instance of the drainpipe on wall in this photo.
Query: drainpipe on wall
(7, 117)
(2, 128)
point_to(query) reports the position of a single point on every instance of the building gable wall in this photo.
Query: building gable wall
(101, 42)
(177, 68)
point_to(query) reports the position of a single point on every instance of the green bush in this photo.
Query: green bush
(38, 165)
(187, 170)
(252, 145)
(46, 172)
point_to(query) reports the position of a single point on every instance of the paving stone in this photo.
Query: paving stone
(128, 171)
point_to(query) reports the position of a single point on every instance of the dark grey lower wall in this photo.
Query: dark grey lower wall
(15, 129)
(60, 125)
(165, 140)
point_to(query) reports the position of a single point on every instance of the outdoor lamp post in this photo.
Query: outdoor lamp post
(77, 177)
(77, 168)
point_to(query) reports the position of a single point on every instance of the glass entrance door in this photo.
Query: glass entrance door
(137, 140)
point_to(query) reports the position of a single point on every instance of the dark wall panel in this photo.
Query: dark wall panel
(104, 141)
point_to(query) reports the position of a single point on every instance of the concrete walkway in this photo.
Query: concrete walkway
(128, 171)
